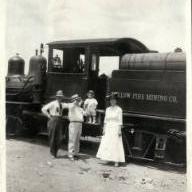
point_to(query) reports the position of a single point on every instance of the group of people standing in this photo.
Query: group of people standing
(111, 146)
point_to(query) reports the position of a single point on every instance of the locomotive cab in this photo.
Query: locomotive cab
(74, 66)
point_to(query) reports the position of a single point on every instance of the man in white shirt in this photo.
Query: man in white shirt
(53, 111)
(76, 119)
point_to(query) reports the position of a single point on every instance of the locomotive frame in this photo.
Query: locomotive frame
(148, 134)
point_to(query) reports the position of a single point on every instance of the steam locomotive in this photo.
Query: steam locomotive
(151, 88)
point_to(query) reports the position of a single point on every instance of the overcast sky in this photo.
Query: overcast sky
(159, 24)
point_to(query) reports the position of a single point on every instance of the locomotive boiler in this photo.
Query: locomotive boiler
(151, 88)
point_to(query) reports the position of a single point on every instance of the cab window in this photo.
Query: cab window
(57, 61)
(68, 60)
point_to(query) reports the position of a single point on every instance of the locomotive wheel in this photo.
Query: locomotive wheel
(14, 126)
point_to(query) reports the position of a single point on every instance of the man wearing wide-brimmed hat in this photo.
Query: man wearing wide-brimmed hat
(76, 118)
(53, 111)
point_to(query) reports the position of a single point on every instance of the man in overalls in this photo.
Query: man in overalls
(53, 111)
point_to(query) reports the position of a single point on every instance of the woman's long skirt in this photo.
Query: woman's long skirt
(111, 146)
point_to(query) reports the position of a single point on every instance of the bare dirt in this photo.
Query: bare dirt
(30, 168)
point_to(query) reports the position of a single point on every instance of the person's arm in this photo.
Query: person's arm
(45, 110)
(81, 103)
(84, 112)
(59, 60)
(120, 118)
(95, 104)
(105, 121)
(65, 105)
(85, 104)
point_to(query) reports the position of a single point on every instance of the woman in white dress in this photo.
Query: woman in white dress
(111, 146)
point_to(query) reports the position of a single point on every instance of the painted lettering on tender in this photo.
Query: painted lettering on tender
(151, 97)
(148, 97)
(138, 96)
(124, 95)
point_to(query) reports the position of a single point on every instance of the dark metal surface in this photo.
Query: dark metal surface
(69, 83)
(154, 61)
(124, 45)
(16, 65)
(37, 68)
(151, 97)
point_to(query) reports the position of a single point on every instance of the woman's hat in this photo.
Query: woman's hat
(113, 95)
(91, 92)
(59, 93)
(75, 97)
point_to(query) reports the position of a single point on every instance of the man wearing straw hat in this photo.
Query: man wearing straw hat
(75, 116)
(53, 111)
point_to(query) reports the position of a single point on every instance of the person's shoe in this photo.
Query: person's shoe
(116, 164)
(76, 157)
(89, 121)
(71, 158)
(52, 156)
(55, 154)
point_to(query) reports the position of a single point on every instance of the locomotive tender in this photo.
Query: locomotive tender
(151, 88)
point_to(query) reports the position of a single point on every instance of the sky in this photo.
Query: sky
(159, 24)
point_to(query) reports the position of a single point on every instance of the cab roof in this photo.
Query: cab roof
(120, 45)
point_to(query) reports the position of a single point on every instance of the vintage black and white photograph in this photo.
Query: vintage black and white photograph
(95, 96)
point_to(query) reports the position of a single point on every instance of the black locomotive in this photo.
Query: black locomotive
(151, 87)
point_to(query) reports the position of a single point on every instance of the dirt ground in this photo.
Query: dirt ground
(30, 168)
